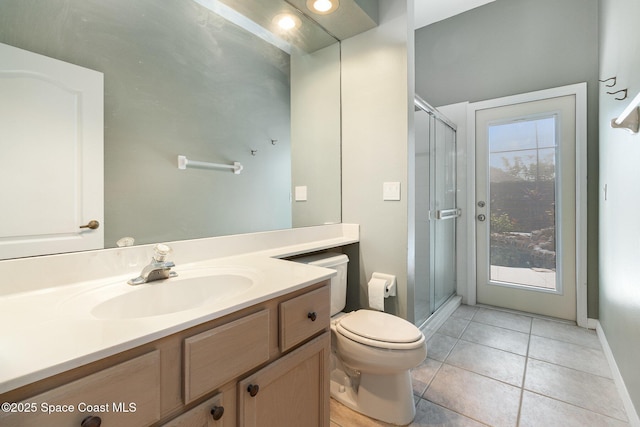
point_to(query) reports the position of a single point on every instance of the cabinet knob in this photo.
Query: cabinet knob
(312, 315)
(253, 389)
(91, 421)
(217, 412)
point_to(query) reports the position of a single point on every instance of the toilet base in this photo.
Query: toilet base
(387, 398)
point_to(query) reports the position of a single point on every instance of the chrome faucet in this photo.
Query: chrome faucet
(158, 269)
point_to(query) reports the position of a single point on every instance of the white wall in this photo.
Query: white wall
(377, 111)
(619, 206)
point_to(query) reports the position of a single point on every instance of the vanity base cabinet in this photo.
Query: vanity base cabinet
(125, 395)
(215, 357)
(293, 391)
(281, 345)
(212, 413)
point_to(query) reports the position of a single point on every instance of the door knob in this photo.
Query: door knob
(481, 217)
(93, 224)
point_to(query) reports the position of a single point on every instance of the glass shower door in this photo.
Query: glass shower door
(422, 229)
(443, 213)
(435, 213)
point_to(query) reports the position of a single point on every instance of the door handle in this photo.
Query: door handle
(448, 213)
(93, 224)
(482, 217)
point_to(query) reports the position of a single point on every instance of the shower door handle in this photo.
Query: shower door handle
(482, 217)
(448, 213)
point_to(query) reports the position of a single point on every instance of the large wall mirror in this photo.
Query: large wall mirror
(180, 78)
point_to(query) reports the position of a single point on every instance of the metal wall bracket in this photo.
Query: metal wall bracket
(630, 123)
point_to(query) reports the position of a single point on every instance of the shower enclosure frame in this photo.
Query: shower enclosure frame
(434, 209)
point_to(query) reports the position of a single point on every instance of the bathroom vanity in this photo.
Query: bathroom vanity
(93, 353)
(264, 365)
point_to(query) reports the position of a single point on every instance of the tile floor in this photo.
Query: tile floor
(497, 368)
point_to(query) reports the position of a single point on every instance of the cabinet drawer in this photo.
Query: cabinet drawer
(124, 395)
(303, 316)
(204, 415)
(214, 357)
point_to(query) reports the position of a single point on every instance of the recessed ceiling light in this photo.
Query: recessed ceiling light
(286, 21)
(322, 7)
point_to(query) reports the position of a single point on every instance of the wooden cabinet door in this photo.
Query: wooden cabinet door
(293, 391)
(211, 413)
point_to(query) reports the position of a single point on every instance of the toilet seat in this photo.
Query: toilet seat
(381, 330)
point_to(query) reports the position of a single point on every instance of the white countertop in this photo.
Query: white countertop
(45, 333)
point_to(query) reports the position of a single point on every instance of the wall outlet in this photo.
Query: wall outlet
(391, 191)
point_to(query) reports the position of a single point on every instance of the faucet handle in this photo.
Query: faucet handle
(161, 251)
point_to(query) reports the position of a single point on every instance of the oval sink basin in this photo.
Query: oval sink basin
(191, 289)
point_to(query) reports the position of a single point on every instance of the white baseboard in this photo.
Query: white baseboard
(634, 420)
(592, 323)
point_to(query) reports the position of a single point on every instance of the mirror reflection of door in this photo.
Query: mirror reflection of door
(51, 137)
(526, 206)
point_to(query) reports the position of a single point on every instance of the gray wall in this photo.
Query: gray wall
(178, 80)
(515, 46)
(315, 129)
(377, 115)
(619, 171)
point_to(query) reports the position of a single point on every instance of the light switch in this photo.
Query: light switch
(301, 193)
(391, 191)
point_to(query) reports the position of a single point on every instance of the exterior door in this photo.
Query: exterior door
(51, 137)
(526, 206)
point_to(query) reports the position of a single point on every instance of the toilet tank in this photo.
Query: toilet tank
(336, 262)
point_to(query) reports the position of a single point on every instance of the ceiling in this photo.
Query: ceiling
(430, 11)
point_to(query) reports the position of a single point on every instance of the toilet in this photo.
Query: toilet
(372, 353)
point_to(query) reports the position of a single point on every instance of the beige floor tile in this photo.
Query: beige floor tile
(439, 346)
(475, 396)
(591, 392)
(453, 327)
(465, 312)
(541, 411)
(467, 381)
(429, 414)
(422, 375)
(502, 319)
(500, 338)
(574, 356)
(565, 332)
(497, 364)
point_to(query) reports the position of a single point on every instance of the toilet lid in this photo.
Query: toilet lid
(379, 326)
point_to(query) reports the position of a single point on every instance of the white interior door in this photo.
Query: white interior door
(51, 140)
(526, 206)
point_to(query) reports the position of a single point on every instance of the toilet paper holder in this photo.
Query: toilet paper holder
(391, 285)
